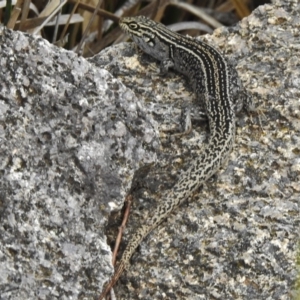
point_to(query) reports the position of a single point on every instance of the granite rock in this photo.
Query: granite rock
(71, 138)
(74, 137)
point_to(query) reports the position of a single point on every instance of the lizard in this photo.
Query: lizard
(217, 84)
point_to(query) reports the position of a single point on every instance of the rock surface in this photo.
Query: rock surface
(73, 135)
(237, 238)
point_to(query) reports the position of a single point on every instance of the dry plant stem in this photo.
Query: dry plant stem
(56, 27)
(155, 9)
(108, 288)
(121, 228)
(158, 9)
(241, 8)
(30, 23)
(200, 13)
(49, 17)
(68, 22)
(79, 50)
(111, 37)
(15, 14)
(100, 12)
(25, 11)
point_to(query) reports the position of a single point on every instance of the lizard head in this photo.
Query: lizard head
(139, 29)
(149, 35)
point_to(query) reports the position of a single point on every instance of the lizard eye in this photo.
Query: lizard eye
(133, 26)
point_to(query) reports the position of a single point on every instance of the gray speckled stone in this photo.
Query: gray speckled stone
(237, 238)
(71, 137)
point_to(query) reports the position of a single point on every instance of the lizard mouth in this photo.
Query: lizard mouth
(124, 25)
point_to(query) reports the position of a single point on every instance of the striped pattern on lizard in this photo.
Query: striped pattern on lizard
(215, 83)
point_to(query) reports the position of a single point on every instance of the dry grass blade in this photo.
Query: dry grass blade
(61, 38)
(78, 49)
(190, 25)
(154, 12)
(35, 22)
(100, 12)
(56, 26)
(64, 19)
(116, 33)
(241, 8)
(50, 7)
(30, 23)
(15, 14)
(159, 10)
(52, 10)
(197, 12)
(25, 12)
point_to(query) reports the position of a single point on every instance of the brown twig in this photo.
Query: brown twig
(68, 22)
(85, 33)
(128, 202)
(100, 12)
